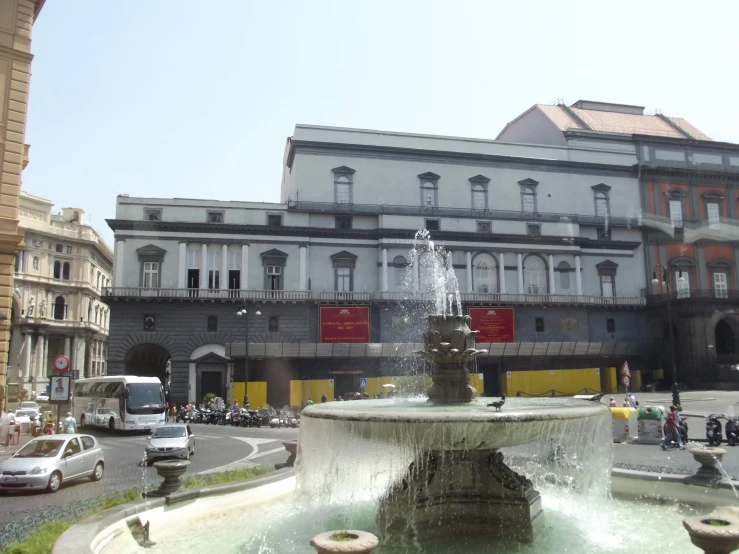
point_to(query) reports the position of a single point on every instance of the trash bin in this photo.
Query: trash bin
(624, 424)
(651, 419)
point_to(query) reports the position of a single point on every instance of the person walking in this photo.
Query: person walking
(672, 429)
(633, 403)
(70, 424)
(612, 403)
(324, 398)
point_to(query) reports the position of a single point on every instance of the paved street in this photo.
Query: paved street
(217, 448)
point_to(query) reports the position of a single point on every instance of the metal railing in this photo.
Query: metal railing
(693, 294)
(393, 296)
(377, 209)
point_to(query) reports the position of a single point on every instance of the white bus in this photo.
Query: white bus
(123, 402)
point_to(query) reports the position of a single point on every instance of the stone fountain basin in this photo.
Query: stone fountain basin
(473, 426)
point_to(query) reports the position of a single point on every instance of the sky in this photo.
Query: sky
(195, 99)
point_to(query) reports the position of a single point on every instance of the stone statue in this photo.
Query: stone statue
(42, 308)
(30, 308)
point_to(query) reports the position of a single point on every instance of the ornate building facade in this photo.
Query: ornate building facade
(59, 277)
(16, 22)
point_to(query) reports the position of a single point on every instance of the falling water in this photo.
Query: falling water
(432, 272)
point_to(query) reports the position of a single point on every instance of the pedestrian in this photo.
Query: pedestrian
(632, 400)
(612, 403)
(324, 398)
(70, 424)
(166, 412)
(672, 432)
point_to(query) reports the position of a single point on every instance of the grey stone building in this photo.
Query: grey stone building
(552, 231)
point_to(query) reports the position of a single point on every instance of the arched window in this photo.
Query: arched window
(535, 276)
(564, 275)
(601, 204)
(479, 198)
(343, 190)
(57, 269)
(400, 264)
(528, 200)
(428, 194)
(60, 308)
(484, 275)
(65, 271)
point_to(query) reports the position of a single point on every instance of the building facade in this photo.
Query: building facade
(688, 188)
(545, 242)
(57, 309)
(16, 21)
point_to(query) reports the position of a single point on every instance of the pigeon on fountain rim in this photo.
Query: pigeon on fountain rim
(497, 405)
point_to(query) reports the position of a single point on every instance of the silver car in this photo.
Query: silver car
(47, 462)
(175, 440)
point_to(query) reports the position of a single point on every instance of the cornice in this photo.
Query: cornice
(25, 57)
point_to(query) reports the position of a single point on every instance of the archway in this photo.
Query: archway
(725, 341)
(148, 360)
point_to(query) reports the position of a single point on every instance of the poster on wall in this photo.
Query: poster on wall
(344, 323)
(495, 324)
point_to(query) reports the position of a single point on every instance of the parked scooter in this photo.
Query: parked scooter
(731, 427)
(713, 430)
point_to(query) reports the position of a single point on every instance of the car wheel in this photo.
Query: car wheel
(97, 473)
(192, 451)
(111, 425)
(55, 481)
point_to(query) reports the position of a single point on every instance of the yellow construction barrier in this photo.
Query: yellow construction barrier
(257, 393)
(610, 381)
(477, 384)
(564, 382)
(310, 389)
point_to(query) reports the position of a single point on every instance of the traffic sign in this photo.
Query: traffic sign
(61, 364)
(626, 381)
(363, 383)
(625, 370)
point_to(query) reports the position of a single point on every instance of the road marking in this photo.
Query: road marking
(267, 453)
(254, 443)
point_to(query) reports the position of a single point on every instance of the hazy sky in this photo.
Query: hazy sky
(186, 98)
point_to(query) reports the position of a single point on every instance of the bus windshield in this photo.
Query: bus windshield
(144, 398)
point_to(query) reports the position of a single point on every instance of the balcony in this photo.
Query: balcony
(65, 326)
(694, 294)
(377, 209)
(126, 293)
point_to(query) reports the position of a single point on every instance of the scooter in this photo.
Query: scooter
(731, 427)
(713, 430)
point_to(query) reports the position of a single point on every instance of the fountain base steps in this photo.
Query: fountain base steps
(465, 492)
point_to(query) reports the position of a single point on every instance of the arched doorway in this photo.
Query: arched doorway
(148, 360)
(724, 335)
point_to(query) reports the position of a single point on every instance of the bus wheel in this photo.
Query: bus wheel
(83, 421)
(111, 425)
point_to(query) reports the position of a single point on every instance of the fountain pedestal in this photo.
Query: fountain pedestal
(451, 491)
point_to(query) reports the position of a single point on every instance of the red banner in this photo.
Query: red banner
(344, 324)
(494, 324)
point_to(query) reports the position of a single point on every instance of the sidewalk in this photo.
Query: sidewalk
(7, 452)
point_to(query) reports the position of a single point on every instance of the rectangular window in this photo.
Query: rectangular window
(274, 277)
(528, 202)
(60, 248)
(601, 206)
(343, 191)
(343, 222)
(714, 216)
(429, 197)
(214, 279)
(212, 324)
(274, 220)
(539, 324)
(610, 325)
(432, 224)
(606, 286)
(676, 213)
(273, 324)
(478, 200)
(720, 285)
(193, 256)
(234, 257)
(214, 267)
(682, 286)
(343, 279)
(151, 275)
(69, 249)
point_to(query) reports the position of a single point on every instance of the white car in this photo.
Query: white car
(30, 405)
(43, 397)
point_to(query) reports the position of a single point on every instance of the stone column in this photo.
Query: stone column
(119, 262)
(551, 274)
(519, 262)
(224, 267)
(384, 270)
(75, 356)
(468, 259)
(38, 352)
(578, 277)
(88, 358)
(244, 267)
(25, 369)
(204, 267)
(182, 267)
(67, 347)
(501, 273)
(44, 368)
(303, 284)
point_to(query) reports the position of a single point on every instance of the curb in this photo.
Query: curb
(78, 538)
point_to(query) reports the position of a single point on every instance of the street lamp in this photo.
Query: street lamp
(663, 271)
(245, 315)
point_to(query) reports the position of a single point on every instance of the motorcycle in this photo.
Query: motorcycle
(731, 427)
(713, 430)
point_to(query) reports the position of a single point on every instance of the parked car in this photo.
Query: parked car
(24, 418)
(175, 440)
(42, 397)
(47, 462)
(28, 405)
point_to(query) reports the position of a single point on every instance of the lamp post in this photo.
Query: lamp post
(245, 314)
(664, 273)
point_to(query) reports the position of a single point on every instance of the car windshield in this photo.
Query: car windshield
(47, 448)
(29, 405)
(144, 395)
(25, 413)
(169, 433)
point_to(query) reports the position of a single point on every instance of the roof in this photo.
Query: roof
(572, 118)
